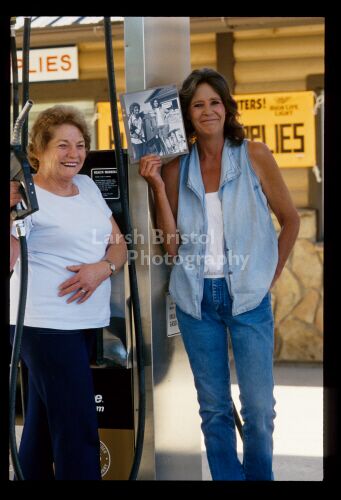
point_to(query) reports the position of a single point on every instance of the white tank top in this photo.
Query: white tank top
(215, 255)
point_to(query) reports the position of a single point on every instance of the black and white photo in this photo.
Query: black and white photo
(153, 123)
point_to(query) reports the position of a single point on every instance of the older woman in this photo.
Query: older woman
(221, 190)
(74, 245)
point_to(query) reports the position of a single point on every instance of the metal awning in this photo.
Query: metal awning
(198, 24)
(57, 21)
(76, 30)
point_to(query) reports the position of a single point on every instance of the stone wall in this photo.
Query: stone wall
(297, 297)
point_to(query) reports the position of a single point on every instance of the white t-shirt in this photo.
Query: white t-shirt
(66, 230)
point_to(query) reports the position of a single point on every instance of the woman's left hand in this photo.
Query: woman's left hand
(85, 281)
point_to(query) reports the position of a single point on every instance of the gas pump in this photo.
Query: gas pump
(20, 172)
(112, 367)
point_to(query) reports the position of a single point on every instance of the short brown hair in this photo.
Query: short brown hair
(233, 130)
(42, 129)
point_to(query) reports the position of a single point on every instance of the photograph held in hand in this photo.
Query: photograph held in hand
(153, 123)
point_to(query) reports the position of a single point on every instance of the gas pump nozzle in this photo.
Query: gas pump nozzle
(20, 170)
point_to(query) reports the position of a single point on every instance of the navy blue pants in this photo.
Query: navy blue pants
(60, 436)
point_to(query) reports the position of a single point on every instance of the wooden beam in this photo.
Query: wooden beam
(225, 57)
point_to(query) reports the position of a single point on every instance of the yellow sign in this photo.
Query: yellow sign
(285, 121)
(105, 136)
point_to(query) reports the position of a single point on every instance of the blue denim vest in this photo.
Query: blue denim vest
(251, 247)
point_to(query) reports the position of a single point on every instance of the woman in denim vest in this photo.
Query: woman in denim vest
(226, 260)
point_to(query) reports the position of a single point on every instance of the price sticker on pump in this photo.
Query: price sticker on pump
(172, 322)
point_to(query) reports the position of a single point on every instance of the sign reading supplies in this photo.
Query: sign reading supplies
(51, 64)
(285, 121)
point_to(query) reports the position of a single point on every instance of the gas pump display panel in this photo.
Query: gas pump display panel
(101, 167)
(107, 181)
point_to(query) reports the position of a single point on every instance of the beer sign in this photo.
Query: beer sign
(285, 121)
(105, 136)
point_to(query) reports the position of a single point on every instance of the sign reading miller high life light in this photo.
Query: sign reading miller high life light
(283, 121)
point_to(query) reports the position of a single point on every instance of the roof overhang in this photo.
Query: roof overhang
(82, 31)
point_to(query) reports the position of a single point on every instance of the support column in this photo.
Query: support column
(157, 53)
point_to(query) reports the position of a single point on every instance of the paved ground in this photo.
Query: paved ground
(298, 435)
(298, 444)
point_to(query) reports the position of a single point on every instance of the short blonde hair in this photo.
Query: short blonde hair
(42, 129)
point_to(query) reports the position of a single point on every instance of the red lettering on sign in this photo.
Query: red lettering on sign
(43, 63)
(20, 66)
(50, 62)
(67, 60)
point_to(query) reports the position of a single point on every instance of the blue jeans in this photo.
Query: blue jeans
(206, 343)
